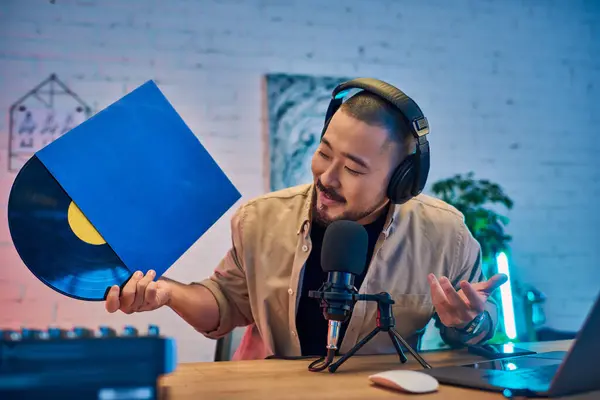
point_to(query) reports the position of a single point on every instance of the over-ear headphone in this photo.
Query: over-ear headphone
(410, 177)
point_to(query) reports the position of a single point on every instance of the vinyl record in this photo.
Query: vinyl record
(55, 241)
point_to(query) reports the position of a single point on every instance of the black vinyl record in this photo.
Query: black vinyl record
(38, 219)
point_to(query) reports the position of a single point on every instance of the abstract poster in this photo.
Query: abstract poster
(296, 107)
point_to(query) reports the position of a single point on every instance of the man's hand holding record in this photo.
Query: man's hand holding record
(194, 303)
(140, 293)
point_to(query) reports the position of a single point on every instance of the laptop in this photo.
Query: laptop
(549, 374)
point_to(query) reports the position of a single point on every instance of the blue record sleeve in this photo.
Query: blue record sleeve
(142, 178)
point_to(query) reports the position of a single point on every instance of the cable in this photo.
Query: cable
(326, 361)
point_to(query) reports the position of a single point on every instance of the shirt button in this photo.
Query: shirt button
(305, 248)
(290, 291)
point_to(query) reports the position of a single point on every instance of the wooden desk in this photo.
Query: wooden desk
(283, 379)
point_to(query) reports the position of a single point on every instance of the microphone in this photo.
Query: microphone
(343, 256)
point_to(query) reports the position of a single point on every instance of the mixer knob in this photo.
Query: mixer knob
(153, 330)
(130, 330)
(33, 334)
(57, 333)
(82, 332)
(10, 335)
(106, 331)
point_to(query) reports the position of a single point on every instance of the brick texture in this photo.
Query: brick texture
(511, 90)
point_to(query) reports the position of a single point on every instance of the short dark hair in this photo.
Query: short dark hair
(373, 110)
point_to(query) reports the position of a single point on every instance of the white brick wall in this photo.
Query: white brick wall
(511, 91)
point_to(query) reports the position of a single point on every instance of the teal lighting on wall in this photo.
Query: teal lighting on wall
(508, 310)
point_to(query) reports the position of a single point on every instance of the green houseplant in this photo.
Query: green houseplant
(473, 198)
(478, 200)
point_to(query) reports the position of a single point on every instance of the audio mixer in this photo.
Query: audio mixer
(83, 363)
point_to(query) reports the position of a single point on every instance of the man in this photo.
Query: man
(420, 252)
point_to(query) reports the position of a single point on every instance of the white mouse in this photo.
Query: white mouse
(406, 381)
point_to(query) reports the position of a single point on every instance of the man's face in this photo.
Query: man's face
(351, 170)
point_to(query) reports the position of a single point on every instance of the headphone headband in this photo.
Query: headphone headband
(416, 167)
(407, 107)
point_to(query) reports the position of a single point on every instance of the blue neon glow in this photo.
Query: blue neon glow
(507, 298)
(341, 94)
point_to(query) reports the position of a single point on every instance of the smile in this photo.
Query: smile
(326, 200)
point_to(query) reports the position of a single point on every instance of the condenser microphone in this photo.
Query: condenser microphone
(343, 256)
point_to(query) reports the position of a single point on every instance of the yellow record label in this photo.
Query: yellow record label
(82, 227)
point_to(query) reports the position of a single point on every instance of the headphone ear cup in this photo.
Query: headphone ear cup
(401, 183)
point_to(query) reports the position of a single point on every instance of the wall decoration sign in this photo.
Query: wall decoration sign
(41, 116)
(296, 107)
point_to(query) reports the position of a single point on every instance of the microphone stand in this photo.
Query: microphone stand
(385, 323)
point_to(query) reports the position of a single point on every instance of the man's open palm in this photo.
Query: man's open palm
(457, 309)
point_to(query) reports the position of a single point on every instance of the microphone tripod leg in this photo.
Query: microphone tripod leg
(401, 354)
(421, 361)
(333, 367)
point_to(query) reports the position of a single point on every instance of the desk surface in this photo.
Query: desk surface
(283, 379)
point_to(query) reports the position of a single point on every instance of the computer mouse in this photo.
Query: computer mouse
(406, 381)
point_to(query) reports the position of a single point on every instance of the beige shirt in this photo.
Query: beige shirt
(258, 281)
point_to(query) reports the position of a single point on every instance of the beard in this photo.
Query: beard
(320, 212)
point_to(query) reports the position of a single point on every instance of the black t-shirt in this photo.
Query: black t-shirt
(310, 323)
